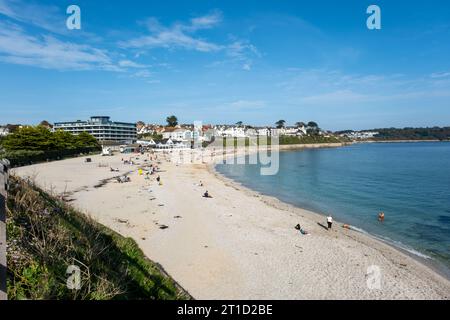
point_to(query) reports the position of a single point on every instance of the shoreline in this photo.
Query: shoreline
(400, 141)
(430, 262)
(237, 245)
(270, 200)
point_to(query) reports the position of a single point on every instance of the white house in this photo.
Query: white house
(168, 144)
(177, 134)
(4, 131)
(230, 132)
(146, 143)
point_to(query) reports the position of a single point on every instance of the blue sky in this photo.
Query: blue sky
(227, 61)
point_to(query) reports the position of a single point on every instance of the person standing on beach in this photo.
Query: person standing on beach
(329, 221)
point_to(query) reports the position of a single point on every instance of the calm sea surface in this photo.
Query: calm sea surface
(409, 182)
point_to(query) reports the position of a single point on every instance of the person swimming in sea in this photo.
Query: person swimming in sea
(381, 216)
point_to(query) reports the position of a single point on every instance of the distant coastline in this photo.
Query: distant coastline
(401, 141)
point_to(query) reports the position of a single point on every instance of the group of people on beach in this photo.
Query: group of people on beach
(330, 224)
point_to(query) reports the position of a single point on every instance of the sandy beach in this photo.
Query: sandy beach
(238, 244)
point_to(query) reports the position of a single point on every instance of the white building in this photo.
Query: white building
(4, 131)
(230, 132)
(167, 144)
(101, 128)
(359, 135)
(177, 134)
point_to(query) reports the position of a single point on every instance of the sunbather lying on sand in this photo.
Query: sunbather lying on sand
(302, 231)
(207, 195)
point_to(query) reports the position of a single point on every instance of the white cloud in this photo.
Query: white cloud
(206, 22)
(176, 36)
(335, 97)
(240, 49)
(18, 47)
(142, 74)
(439, 75)
(184, 36)
(247, 104)
(326, 88)
(131, 64)
(247, 67)
(50, 18)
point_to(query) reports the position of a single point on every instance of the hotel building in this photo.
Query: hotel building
(102, 128)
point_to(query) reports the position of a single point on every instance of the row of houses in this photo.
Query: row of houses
(359, 135)
(207, 132)
(111, 133)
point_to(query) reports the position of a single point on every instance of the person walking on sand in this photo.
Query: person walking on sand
(329, 221)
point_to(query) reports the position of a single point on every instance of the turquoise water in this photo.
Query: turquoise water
(409, 182)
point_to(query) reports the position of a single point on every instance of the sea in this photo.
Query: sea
(409, 182)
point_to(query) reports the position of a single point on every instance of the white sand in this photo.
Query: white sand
(239, 244)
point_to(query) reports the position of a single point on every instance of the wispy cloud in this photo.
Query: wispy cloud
(131, 64)
(184, 36)
(47, 17)
(142, 74)
(335, 97)
(334, 88)
(439, 75)
(35, 35)
(242, 52)
(206, 21)
(247, 104)
(46, 51)
(177, 36)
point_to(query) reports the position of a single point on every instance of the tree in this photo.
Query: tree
(312, 124)
(300, 124)
(313, 128)
(172, 121)
(41, 139)
(45, 123)
(29, 138)
(140, 124)
(84, 139)
(280, 124)
(239, 123)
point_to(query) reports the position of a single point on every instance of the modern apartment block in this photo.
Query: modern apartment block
(102, 128)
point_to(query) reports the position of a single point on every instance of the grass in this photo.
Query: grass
(45, 236)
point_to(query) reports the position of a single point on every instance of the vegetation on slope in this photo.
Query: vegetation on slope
(283, 140)
(45, 236)
(434, 133)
